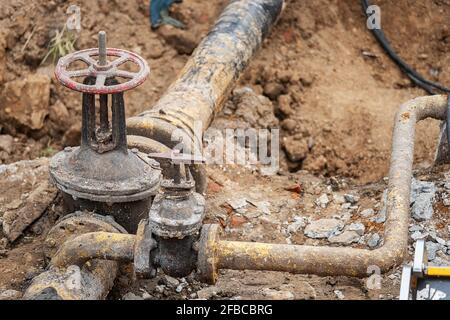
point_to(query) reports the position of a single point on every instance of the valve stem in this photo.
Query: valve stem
(102, 48)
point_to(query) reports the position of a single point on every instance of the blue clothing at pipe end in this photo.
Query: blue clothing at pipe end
(159, 14)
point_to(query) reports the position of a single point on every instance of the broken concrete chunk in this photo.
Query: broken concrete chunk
(367, 213)
(359, 228)
(26, 101)
(373, 240)
(422, 197)
(323, 201)
(350, 198)
(338, 199)
(432, 249)
(347, 237)
(324, 228)
(299, 223)
(26, 194)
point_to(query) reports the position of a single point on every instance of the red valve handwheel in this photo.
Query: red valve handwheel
(101, 72)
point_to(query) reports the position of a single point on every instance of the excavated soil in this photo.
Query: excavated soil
(330, 88)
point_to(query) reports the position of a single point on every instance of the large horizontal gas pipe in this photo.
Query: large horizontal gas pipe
(218, 254)
(206, 80)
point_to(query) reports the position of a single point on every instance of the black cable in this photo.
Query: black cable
(427, 85)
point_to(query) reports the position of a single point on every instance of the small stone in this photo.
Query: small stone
(359, 228)
(432, 249)
(373, 240)
(131, 296)
(347, 237)
(272, 294)
(417, 235)
(415, 227)
(207, 293)
(448, 228)
(338, 199)
(160, 288)
(238, 204)
(170, 281)
(322, 201)
(339, 294)
(422, 197)
(367, 213)
(324, 228)
(181, 287)
(6, 143)
(350, 198)
(147, 296)
(299, 223)
(446, 202)
(10, 295)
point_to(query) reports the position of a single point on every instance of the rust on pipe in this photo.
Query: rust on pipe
(209, 75)
(323, 260)
(95, 245)
(91, 281)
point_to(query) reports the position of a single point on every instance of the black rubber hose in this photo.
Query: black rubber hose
(419, 80)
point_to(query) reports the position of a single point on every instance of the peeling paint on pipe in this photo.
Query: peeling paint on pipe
(95, 245)
(335, 261)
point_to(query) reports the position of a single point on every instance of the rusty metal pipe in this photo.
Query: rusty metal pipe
(95, 245)
(209, 75)
(325, 261)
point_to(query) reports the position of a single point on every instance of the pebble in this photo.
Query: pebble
(373, 240)
(417, 235)
(181, 287)
(323, 228)
(367, 213)
(422, 197)
(350, 198)
(207, 293)
(299, 223)
(323, 201)
(171, 281)
(131, 296)
(338, 199)
(432, 249)
(272, 294)
(446, 202)
(238, 205)
(359, 228)
(339, 294)
(415, 227)
(347, 237)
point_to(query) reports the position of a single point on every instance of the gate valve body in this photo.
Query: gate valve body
(177, 211)
(102, 174)
(176, 217)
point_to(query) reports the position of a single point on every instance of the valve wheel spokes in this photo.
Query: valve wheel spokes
(102, 72)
